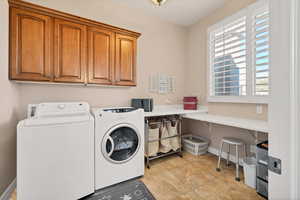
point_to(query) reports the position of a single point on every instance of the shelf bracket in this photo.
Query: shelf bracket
(255, 136)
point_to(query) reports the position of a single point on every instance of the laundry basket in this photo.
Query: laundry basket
(153, 143)
(172, 130)
(165, 142)
(194, 144)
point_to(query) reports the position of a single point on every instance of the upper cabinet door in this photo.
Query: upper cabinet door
(100, 56)
(30, 44)
(125, 60)
(69, 52)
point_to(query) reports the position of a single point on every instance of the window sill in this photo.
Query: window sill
(232, 99)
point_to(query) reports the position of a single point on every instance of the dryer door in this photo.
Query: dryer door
(121, 143)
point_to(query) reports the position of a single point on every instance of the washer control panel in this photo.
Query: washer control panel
(61, 109)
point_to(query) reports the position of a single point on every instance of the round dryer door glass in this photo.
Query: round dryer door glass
(121, 144)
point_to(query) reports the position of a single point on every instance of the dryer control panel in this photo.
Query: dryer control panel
(120, 110)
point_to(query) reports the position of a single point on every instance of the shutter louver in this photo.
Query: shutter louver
(261, 53)
(228, 59)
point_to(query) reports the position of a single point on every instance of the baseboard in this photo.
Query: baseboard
(224, 155)
(9, 190)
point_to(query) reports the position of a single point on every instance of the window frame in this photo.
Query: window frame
(250, 96)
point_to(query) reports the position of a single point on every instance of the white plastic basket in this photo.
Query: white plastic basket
(194, 144)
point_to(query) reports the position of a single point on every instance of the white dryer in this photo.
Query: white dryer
(119, 145)
(55, 152)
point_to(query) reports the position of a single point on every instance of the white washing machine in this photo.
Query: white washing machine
(55, 152)
(119, 145)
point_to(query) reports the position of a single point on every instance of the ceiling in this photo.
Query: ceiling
(181, 12)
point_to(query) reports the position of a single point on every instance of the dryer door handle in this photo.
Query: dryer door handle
(112, 145)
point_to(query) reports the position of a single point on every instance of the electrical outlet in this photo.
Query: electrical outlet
(259, 109)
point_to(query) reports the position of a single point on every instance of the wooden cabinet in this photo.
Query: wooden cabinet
(101, 50)
(49, 45)
(30, 46)
(69, 52)
(125, 60)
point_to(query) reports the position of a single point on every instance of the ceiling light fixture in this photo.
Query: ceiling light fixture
(159, 2)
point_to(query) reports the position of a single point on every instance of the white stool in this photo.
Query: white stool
(238, 143)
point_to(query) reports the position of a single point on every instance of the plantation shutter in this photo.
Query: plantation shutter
(261, 52)
(228, 49)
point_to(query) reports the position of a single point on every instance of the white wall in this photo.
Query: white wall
(161, 48)
(297, 168)
(280, 104)
(8, 110)
(295, 126)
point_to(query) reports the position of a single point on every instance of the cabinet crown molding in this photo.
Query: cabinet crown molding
(59, 14)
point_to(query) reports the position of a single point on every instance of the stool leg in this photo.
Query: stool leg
(237, 176)
(228, 155)
(245, 150)
(220, 155)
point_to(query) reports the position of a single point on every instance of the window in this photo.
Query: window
(239, 57)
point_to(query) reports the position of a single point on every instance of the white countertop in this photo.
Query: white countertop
(163, 110)
(250, 124)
